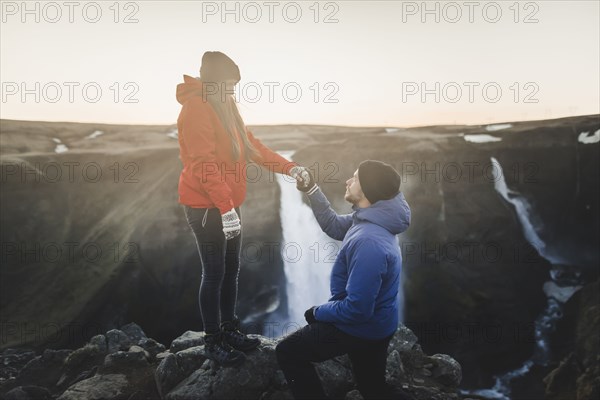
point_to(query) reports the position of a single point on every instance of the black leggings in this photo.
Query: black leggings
(220, 261)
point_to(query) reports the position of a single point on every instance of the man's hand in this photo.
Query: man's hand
(231, 224)
(305, 182)
(309, 315)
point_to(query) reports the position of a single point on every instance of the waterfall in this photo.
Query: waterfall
(562, 285)
(308, 255)
(523, 209)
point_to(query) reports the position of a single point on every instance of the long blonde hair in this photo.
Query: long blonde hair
(224, 105)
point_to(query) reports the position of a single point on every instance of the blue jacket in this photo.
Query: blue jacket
(365, 277)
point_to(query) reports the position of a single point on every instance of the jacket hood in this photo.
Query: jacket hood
(392, 214)
(190, 87)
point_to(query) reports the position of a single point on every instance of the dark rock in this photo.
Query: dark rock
(122, 375)
(190, 359)
(404, 339)
(187, 340)
(168, 374)
(248, 381)
(82, 361)
(121, 361)
(100, 342)
(44, 370)
(28, 393)
(151, 346)
(134, 332)
(447, 370)
(141, 350)
(577, 375)
(561, 381)
(588, 384)
(98, 387)
(118, 340)
(353, 395)
(13, 360)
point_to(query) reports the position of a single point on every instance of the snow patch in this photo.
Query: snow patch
(94, 135)
(481, 138)
(497, 127)
(60, 148)
(586, 138)
(173, 134)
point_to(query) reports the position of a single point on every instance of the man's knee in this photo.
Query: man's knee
(282, 350)
(289, 348)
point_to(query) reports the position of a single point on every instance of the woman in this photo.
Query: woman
(214, 147)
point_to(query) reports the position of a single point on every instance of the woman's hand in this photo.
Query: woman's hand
(231, 224)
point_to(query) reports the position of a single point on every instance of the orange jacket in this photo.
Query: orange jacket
(210, 177)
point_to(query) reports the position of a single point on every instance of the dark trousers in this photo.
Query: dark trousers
(220, 259)
(322, 341)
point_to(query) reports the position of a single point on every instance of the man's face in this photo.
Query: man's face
(354, 193)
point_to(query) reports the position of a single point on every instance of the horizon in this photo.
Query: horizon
(341, 63)
(309, 124)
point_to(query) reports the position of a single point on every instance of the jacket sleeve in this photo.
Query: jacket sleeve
(270, 159)
(334, 225)
(200, 142)
(368, 265)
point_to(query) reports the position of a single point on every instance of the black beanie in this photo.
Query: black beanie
(217, 67)
(378, 180)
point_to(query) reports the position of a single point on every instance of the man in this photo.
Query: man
(361, 316)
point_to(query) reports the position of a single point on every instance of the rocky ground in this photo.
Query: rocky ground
(125, 364)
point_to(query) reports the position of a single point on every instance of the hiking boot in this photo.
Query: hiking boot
(216, 349)
(235, 338)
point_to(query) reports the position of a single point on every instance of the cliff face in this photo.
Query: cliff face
(125, 364)
(472, 280)
(576, 346)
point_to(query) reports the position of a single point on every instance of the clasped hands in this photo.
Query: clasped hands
(304, 182)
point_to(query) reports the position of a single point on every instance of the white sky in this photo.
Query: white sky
(373, 53)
